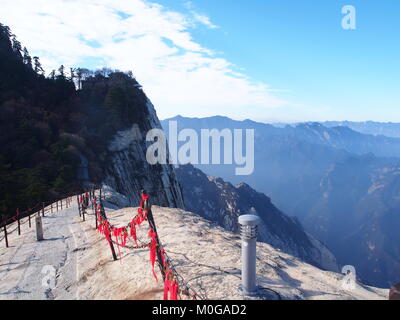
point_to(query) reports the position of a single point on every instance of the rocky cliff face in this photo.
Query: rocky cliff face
(128, 172)
(223, 203)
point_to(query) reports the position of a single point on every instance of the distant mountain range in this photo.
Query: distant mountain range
(324, 176)
(388, 129)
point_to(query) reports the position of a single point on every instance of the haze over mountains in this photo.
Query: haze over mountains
(343, 186)
(223, 203)
(388, 129)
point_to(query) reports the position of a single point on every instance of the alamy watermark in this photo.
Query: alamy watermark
(350, 278)
(49, 279)
(236, 146)
(349, 20)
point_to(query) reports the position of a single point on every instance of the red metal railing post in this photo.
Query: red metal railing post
(5, 233)
(19, 223)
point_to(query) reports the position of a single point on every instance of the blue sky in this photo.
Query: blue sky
(300, 46)
(268, 60)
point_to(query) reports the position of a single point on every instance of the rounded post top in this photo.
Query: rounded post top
(249, 220)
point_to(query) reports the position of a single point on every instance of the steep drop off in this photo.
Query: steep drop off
(329, 178)
(223, 203)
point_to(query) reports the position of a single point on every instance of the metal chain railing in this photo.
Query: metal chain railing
(164, 262)
(38, 209)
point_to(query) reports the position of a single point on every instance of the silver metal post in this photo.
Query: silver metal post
(249, 227)
(39, 228)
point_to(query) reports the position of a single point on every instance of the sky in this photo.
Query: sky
(265, 60)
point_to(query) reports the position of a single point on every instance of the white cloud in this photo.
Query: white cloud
(204, 20)
(179, 74)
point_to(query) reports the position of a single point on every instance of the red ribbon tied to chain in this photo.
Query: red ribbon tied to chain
(144, 197)
(133, 231)
(153, 246)
(170, 287)
(117, 234)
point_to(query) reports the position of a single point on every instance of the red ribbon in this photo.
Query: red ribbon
(106, 230)
(133, 231)
(164, 262)
(153, 246)
(124, 237)
(117, 234)
(144, 197)
(170, 287)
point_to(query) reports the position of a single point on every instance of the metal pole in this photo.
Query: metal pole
(83, 210)
(43, 209)
(94, 207)
(79, 206)
(5, 233)
(19, 223)
(394, 293)
(150, 219)
(104, 216)
(39, 228)
(249, 225)
(96, 212)
(152, 224)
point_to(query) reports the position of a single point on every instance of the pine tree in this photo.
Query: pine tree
(16, 46)
(37, 66)
(5, 30)
(72, 71)
(27, 58)
(79, 75)
(52, 75)
(61, 71)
